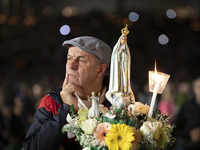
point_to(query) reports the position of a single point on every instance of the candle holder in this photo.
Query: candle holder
(157, 83)
(157, 78)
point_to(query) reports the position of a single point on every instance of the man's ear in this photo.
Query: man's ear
(101, 70)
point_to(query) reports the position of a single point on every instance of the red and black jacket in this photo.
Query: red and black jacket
(45, 132)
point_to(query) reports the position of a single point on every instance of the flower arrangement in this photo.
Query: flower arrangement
(127, 128)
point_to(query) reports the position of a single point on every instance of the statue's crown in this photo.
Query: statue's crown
(125, 30)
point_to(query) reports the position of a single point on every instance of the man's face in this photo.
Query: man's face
(81, 68)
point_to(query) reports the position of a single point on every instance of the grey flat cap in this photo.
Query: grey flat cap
(93, 46)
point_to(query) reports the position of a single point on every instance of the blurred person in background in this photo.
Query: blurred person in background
(183, 94)
(24, 111)
(37, 91)
(11, 128)
(187, 122)
(167, 102)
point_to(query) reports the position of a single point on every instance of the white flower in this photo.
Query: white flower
(70, 123)
(138, 107)
(86, 148)
(88, 140)
(154, 133)
(69, 134)
(89, 125)
(150, 127)
(70, 120)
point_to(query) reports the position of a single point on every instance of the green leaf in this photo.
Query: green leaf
(72, 111)
(131, 122)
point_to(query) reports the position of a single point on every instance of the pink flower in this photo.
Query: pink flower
(101, 131)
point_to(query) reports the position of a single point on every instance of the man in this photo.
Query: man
(187, 122)
(87, 60)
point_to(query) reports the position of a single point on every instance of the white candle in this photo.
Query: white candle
(153, 99)
(157, 82)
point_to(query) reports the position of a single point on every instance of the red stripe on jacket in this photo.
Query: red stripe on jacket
(49, 104)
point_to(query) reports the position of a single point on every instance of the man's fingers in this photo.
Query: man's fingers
(72, 89)
(65, 81)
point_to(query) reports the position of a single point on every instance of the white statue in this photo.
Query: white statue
(120, 93)
(94, 110)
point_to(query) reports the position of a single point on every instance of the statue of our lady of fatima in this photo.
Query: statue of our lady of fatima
(120, 94)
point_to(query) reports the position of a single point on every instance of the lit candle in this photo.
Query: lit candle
(157, 82)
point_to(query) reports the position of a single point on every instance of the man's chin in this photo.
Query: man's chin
(73, 79)
(74, 82)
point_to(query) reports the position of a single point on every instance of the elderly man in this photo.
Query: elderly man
(87, 60)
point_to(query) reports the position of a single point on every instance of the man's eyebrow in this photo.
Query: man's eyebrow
(82, 56)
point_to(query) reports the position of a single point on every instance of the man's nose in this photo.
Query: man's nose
(73, 64)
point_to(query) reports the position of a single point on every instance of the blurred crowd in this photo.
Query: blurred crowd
(18, 102)
(32, 64)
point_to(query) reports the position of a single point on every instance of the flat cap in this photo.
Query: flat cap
(93, 46)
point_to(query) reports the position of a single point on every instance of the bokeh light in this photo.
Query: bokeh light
(126, 21)
(195, 26)
(65, 29)
(14, 20)
(133, 16)
(69, 11)
(47, 11)
(113, 18)
(163, 39)
(171, 14)
(30, 20)
(3, 19)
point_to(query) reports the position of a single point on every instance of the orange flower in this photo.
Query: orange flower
(101, 131)
(136, 142)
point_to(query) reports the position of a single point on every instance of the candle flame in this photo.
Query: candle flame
(155, 67)
(157, 77)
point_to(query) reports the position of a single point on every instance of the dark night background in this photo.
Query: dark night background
(32, 59)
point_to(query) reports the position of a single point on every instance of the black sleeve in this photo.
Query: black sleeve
(45, 132)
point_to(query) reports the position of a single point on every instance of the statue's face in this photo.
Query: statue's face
(93, 94)
(123, 40)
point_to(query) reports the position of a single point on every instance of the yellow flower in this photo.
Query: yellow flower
(119, 137)
(83, 114)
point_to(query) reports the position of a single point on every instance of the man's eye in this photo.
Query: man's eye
(81, 60)
(69, 58)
